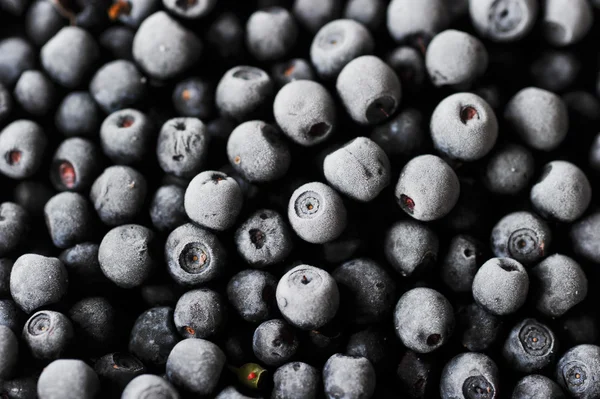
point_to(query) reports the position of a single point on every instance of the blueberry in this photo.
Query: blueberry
(427, 188)
(480, 329)
(566, 22)
(537, 386)
(414, 374)
(464, 127)
(95, 322)
(576, 371)
(313, 14)
(32, 196)
(68, 218)
(585, 235)
(200, 313)
(562, 193)
(274, 342)
(252, 294)
(336, 44)
(182, 146)
(538, 117)
(409, 65)
(317, 213)
(258, 152)
(401, 136)
(560, 284)
(503, 20)
(244, 93)
(126, 256)
(291, 70)
(360, 169)
(22, 147)
(82, 264)
(194, 97)
(501, 286)
(271, 33)
(78, 115)
(14, 225)
(307, 297)
(153, 336)
(555, 70)
(195, 365)
(348, 376)
(264, 239)
(295, 380)
(305, 112)
(530, 346)
(9, 352)
(37, 281)
(166, 55)
(411, 247)
(48, 335)
(166, 208)
(134, 12)
(509, 170)
(118, 41)
(408, 21)
(194, 255)
(594, 158)
(68, 379)
(522, 236)
(461, 262)
(372, 343)
(75, 165)
(118, 85)
(190, 9)
(369, 89)
(126, 136)
(11, 316)
(148, 385)
(470, 375)
(226, 35)
(35, 93)
(370, 13)
(116, 370)
(117, 194)
(5, 269)
(16, 56)
(6, 103)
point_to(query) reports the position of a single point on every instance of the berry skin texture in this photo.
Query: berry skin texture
(95, 322)
(271, 33)
(166, 208)
(577, 369)
(537, 387)
(182, 146)
(470, 375)
(213, 200)
(305, 111)
(501, 286)
(68, 379)
(369, 89)
(428, 188)
(68, 218)
(307, 297)
(190, 10)
(317, 213)
(48, 334)
(411, 247)
(530, 346)
(295, 380)
(115, 370)
(504, 20)
(585, 235)
(480, 329)
(22, 147)
(75, 165)
(522, 236)
(14, 224)
(244, 93)
(252, 294)
(370, 13)
(408, 21)
(126, 136)
(82, 264)
(37, 281)
(194, 98)
(118, 85)
(11, 316)
(200, 313)
(464, 127)
(562, 193)
(555, 71)
(35, 93)
(153, 336)
(560, 285)
(461, 262)
(292, 70)
(409, 65)
(149, 385)
(360, 169)
(538, 117)
(9, 352)
(424, 320)
(16, 56)
(195, 365)
(509, 170)
(313, 14)
(402, 136)
(348, 376)
(566, 22)
(274, 342)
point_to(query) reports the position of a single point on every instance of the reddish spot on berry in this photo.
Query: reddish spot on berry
(66, 171)
(126, 121)
(252, 376)
(468, 113)
(186, 95)
(120, 7)
(289, 70)
(14, 157)
(237, 159)
(407, 203)
(190, 330)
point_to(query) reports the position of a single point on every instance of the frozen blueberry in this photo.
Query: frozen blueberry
(305, 112)
(372, 343)
(213, 200)
(418, 22)
(271, 33)
(402, 136)
(6, 103)
(190, 9)
(14, 7)
(461, 262)
(226, 36)
(317, 213)
(295, 380)
(14, 225)
(126, 136)
(464, 127)
(336, 44)
(480, 329)
(78, 115)
(538, 117)
(470, 375)
(95, 322)
(68, 218)
(410, 247)
(200, 313)
(194, 97)
(166, 208)
(116, 370)
(117, 85)
(503, 20)
(118, 194)
(307, 297)
(509, 170)
(560, 283)
(68, 379)
(530, 346)
(313, 14)
(32, 196)
(584, 108)
(153, 336)
(163, 48)
(195, 365)
(37, 281)
(35, 93)
(577, 369)
(369, 89)
(258, 152)
(16, 56)
(415, 375)
(555, 70)
(126, 255)
(585, 235)
(5, 268)
(501, 286)
(370, 13)
(360, 169)
(566, 22)
(132, 12)
(75, 165)
(562, 193)
(428, 188)
(522, 236)
(182, 146)
(9, 352)
(118, 41)
(264, 239)
(348, 377)
(194, 255)
(367, 292)
(274, 342)
(22, 147)
(11, 316)
(424, 320)
(70, 56)
(149, 386)
(289, 71)
(82, 264)
(409, 65)
(537, 386)
(48, 334)
(252, 294)
(244, 93)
